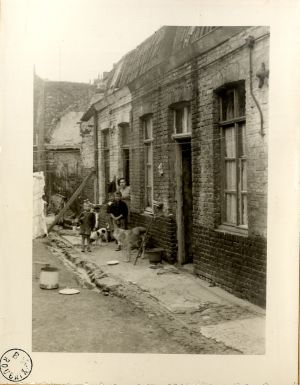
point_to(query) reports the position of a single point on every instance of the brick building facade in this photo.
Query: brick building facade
(191, 112)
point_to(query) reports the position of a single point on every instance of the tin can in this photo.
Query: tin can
(49, 278)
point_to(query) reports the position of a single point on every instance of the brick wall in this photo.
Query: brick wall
(235, 262)
(238, 264)
(87, 152)
(156, 97)
(115, 112)
(162, 233)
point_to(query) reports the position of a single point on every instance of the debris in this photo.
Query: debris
(89, 285)
(107, 284)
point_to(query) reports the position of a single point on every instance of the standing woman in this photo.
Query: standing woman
(125, 193)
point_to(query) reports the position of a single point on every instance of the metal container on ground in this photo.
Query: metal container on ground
(49, 278)
(154, 255)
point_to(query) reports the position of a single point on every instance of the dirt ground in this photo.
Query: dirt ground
(94, 322)
(91, 321)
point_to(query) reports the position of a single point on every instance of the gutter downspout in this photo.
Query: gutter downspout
(250, 44)
(96, 152)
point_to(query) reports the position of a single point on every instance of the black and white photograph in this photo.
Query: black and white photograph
(152, 206)
(150, 186)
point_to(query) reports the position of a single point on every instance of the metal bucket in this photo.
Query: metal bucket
(154, 255)
(49, 278)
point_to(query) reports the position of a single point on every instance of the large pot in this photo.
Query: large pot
(49, 278)
(154, 255)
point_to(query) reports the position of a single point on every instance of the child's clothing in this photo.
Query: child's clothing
(87, 224)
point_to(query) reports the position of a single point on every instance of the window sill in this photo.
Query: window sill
(234, 230)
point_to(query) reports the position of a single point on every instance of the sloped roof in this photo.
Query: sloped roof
(141, 59)
(185, 36)
(152, 51)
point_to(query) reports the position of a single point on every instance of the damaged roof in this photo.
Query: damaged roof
(141, 59)
(158, 47)
(185, 36)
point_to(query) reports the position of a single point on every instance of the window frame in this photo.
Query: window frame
(237, 123)
(125, 156)
(185, 108)
(148, 143)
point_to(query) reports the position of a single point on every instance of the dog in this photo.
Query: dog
(100, 236)
(129, 239)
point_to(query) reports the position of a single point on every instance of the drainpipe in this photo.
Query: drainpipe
(96, 151)
(250, 44)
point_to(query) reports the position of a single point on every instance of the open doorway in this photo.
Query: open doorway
(184, 199)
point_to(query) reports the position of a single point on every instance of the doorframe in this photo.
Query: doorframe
(179, 203)
(181, 257)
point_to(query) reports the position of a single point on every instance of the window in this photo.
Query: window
(105, 148)
(182, 119)
(234, 162)
(124, 135)
(148, 158)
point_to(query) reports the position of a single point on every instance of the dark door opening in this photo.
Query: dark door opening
(126, 169)
(184, 200)
(187, 201)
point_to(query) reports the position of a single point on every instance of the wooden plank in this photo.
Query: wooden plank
(71, 200)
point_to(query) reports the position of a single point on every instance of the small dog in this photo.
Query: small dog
(129, 239)
(100, 236)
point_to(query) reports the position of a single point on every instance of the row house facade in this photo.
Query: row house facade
(184, 119)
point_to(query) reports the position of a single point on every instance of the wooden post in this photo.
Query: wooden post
(71, 200)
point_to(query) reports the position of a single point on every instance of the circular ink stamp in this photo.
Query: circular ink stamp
(15, 365)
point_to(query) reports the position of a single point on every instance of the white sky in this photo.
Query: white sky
(75, 40)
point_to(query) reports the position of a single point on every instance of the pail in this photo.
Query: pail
(49, 278)
(154, 255)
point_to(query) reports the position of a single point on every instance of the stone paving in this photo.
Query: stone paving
(210, 311)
